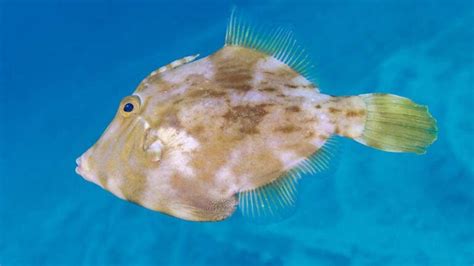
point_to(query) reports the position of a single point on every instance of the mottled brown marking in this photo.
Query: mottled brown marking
(292, 86)
(201, 93)
(351, 113)
(172, 120)
(197, 130)
(242, 87)
(333, 110)
(293, 108)
(323, 137)
(197, 93)
(178, 100)
(309, 134)
(268, 73)
(286, 72)
(268, 89)
(287, 129)
(318, 106)
(235, 67)
(358, 113)
(234, 80)
(249, 117)
(233, 77)
(217, 94)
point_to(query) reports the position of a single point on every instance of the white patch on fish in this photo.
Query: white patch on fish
(157, 186)
(225, 173)
(308, 94)
(202, 67)
(225, 176)
(252, 96)
(178, 146)
(269, 64)
(114, 185)
(288, 158)
(301, 81)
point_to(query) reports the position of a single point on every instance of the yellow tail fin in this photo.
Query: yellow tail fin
(397, 124)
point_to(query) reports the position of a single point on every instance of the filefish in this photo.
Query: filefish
(198, 139)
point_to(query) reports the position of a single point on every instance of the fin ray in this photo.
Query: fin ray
(397, 124)
(277, 42)
(277, 199)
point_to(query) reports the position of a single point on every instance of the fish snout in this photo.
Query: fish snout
(83, 169)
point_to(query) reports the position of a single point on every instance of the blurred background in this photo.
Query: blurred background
(65, 65)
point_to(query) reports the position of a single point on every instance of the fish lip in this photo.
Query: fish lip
(83, 170)
(78, 166)
(80, 169)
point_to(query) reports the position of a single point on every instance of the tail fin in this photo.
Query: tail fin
(397, 124)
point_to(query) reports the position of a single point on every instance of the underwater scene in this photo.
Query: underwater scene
(66, 66)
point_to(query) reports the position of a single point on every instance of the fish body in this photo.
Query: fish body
(237, 128)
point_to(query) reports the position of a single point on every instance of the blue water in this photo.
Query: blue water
(64, 66)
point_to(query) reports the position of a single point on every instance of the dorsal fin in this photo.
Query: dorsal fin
(174, 64)
(277, 42)
(277, 199)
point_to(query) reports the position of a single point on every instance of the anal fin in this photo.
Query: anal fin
(277, 199)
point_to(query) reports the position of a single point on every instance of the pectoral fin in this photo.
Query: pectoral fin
(153, 146)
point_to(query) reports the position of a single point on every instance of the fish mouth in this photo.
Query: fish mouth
(81, 168)
(78, 166)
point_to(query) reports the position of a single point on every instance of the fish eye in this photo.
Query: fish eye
(130, 105)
